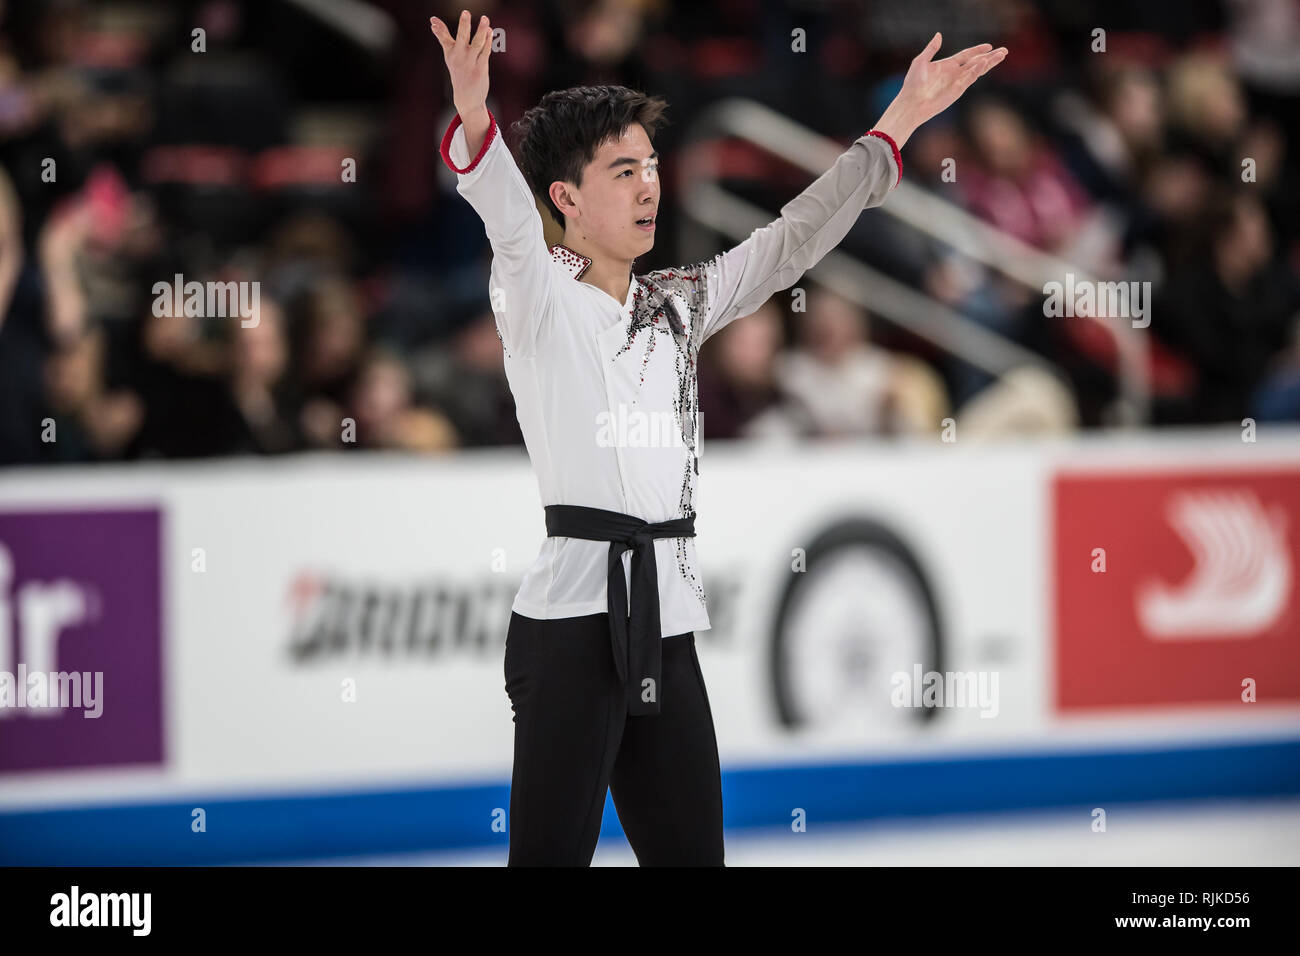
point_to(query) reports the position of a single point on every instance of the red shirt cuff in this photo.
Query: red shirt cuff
(898, 157)
(446, 143)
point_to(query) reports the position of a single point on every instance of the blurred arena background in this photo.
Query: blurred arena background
(289, 541)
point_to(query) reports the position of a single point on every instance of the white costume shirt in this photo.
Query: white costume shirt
(605, 391)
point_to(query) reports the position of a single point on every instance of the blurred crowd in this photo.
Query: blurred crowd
(296, 145)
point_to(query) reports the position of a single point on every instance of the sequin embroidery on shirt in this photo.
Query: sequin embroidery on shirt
(655, 298)
(663, 289)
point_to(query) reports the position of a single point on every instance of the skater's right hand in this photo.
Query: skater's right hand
(467, 61)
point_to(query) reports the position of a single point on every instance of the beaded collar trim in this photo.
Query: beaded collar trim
(575, 263)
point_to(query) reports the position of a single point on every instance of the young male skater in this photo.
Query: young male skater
(597, 359)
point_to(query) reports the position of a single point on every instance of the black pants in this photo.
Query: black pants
(574, 740)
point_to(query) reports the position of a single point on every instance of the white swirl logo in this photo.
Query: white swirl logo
(1242, 574)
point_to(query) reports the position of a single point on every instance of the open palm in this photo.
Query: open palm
(934, 85)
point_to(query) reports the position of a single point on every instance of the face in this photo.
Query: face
(832, 327)
(335, 337)
(382, 392)
(752, 346)
(1001, 137)
(1136, 109)
(619, 187)
(1251, 235)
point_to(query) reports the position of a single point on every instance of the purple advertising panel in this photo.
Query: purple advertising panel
(80, 639)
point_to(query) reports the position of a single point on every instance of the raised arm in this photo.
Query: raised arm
(487, 176)
(773, 258)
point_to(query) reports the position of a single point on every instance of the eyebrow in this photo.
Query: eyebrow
(622, 160)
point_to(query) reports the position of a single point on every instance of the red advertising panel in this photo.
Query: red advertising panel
(1176, 587)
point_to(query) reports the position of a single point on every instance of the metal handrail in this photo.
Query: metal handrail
(708, 205)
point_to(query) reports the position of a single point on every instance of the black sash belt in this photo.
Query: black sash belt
(635, 638)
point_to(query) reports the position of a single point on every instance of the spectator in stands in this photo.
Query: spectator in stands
(1117, 129)
(848, 387)
(22, 337)
(738, 391)
(90, 421)
(1278, 397)
(1175, 194)
(1207, 107)
(180, 376)
(466, 379)
(1265, 45)
(1152, 138)
(382, 407)
(329, 353)
(259, 385)
(1231, 311)
(1017, 181)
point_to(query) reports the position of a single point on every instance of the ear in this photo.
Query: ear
(552, 231)
(563, 195)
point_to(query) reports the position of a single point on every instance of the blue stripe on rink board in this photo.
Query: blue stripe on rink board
(289, 827)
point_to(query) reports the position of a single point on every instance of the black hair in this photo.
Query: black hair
(559, 136)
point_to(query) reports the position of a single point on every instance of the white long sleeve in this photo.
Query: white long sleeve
(523, 277)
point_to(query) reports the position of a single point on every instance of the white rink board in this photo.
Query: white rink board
(242, 714)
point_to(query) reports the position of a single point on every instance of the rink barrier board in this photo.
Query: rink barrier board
(335, 825)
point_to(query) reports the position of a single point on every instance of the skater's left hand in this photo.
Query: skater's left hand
(931, 86)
